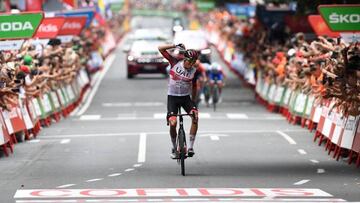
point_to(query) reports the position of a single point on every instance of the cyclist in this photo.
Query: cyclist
(216, 73)
(181, 85)
(200, 78)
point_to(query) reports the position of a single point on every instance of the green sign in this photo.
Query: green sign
(205, 5)
(15, 26)
(116, 7)
(341, 18)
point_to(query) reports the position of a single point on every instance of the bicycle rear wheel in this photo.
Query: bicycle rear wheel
(215, 96)
(182, 141)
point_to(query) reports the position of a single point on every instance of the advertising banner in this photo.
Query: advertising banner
(9, 45)
(341, 18)
(73, 25)
(241, 10)
(319, 26)
(298, 23)
(88, 13)
(33, 5)
(19, 26)
(49, 27)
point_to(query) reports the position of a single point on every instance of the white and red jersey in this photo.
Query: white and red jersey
(180, 78)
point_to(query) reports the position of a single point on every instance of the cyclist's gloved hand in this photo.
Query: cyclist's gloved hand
(180, 46)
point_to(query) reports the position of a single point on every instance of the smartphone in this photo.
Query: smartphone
(2, 84)
(17, 81)
(15, 89)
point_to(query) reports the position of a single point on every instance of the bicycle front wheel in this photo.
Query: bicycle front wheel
(182, 141)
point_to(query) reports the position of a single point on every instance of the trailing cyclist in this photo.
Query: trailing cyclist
(181, 85)
(216, 74)
(200, 78)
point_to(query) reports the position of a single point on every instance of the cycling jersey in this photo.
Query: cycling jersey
(180, 80)
(216, 75)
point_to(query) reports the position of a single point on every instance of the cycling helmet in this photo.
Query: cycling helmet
(191, 54)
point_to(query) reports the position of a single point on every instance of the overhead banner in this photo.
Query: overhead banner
(319, 26)
(50, 27)
(298, 23)
(271, 17)
(89, 14)
(72, 3)
(73, 26)
(19, 26)
(341, 18)
(241, 10)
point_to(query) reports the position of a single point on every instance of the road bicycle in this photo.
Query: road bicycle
(181, 147)
(215, 94)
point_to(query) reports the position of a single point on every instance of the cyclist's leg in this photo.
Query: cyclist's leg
(190, 108)
(172, 108)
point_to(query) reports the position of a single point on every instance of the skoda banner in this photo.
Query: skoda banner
(19, 26)
(341, 18)
(49, 27)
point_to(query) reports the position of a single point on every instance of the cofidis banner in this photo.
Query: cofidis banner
(88, 13)
(50, 27)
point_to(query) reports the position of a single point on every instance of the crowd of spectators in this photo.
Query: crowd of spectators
(38, 68)
(328, 68)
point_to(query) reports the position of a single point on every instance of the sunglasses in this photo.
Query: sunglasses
(191, 60)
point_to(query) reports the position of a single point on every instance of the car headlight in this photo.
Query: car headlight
(205, 51)
(130, 58)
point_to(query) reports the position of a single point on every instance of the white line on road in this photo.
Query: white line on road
(137, 165)
(159, 115)
(286, 137)
(301, 182)
(34, 141)
(90, 117)
(142, 148)
(301, 151)
(136, 104)
(65, 186)
(320, 170)
(163, 133)
(93, 180)
(115, 174)
(314, 161)
(129, 169)
(88, 101)
(237, 116)
(65, 141)
(204, 115)
(214, 138)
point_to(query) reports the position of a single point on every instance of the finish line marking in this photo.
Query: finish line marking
(170, 193)
(142, 148)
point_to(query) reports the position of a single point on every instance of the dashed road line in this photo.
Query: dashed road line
(93, 180)
(65, 141)
(320, 170)
(34, 141)
(65, 186)
(142, 148)
(301, 182)
(301, 151)
(137, 165)
(314, 161)
(90, 117)
(115, 174)
(129, 169)
(237, 116)
(286, 137)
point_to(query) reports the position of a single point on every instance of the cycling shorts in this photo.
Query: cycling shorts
(214, 76)
(175, 102)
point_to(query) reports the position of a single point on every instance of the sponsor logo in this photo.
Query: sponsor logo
(48, 28)
(347, 18)
(15, 26)
(72, 25)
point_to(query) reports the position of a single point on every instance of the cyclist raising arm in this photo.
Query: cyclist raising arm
(180, 86)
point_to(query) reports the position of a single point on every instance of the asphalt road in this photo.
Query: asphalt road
(117, 150)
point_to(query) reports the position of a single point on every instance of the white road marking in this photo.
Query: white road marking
(301, 182)
(107, 64)
(115, 174)
(129, 169)
(65, 141)
(162, 133)
(90, 117)
(314, 161)
(320, 170)
(159, 115)
(286, 137)
(34, 141)
(137, 165)
(65, 186)
(301, 151)
(123, 104)
(142, 148)
(93, 180)
(214, 138)
(237, 116)
(204, 115)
